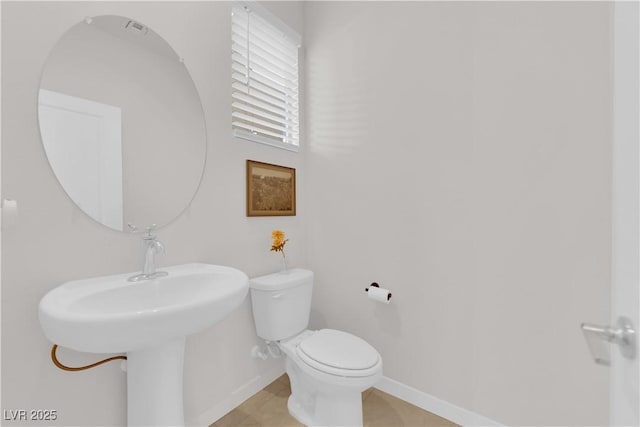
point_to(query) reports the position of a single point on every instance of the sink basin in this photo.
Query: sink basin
(112, 315)
(149, 320)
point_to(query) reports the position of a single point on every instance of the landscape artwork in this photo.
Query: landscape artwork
(271, 189)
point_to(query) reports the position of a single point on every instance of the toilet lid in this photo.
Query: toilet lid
(340, 352)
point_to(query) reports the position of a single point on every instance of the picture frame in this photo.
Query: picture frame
(271, 189)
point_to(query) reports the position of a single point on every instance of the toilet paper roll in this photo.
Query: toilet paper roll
(379, 294)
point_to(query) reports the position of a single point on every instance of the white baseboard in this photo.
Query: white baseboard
(437, 406)
(237, 397)
(444, 409)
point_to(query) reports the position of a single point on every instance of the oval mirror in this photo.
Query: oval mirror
(121, 123)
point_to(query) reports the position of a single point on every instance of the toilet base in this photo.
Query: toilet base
(342, 411)
(317, 403)
(297, 411)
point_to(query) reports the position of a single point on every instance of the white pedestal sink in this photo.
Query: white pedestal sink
(149, 321)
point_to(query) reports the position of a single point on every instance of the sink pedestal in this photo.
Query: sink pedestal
(154, 385)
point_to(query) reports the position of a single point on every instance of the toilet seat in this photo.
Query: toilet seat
(339, 353)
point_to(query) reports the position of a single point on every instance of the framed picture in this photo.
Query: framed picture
(271, 190)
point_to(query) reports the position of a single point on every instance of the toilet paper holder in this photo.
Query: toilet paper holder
(375, 285)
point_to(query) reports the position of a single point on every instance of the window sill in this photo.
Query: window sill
(248, 136)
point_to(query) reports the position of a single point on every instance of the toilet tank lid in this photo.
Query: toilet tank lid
(281, 280)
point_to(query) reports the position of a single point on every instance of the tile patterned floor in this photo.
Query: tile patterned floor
(269, 408)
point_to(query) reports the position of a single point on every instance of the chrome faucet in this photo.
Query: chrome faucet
(152, 247)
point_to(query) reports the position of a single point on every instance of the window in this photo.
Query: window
(264, 78)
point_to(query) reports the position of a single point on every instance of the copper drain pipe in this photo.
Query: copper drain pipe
(56, 362)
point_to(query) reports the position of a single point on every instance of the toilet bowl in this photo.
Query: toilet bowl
(328, 369)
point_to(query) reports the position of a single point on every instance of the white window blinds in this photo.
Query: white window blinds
(264, 80)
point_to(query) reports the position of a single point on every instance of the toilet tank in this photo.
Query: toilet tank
(281, 303)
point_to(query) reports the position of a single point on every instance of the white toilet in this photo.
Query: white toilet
(328, 369)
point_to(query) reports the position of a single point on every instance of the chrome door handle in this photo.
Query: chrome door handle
(623, 334)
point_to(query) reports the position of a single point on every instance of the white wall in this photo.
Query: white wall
(54, 242)
(460, 156)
